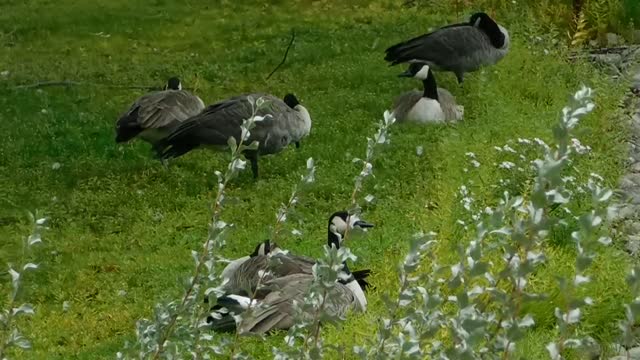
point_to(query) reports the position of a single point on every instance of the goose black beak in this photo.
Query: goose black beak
(362, 224)
(406, 74)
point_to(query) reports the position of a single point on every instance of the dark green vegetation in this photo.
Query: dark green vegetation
(120, 221)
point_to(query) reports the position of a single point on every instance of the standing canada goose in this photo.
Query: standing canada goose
(459, 48)
(284, 122)
(432, 105)
(275, 262)
(154, 116)
(274, 306)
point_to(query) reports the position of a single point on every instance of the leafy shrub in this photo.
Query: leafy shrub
(10, 335)
(473, 308)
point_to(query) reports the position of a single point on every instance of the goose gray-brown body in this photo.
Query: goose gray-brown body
(432, 105)
(284, 122)
(154, 116)
(459, 48)
(275, 309)
(276, 294)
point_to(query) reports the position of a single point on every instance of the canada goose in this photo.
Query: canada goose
(284, 122)
(275, 262)
(460, 48)
(153, 116)
(432, 105)
(274, 308)
(262, 249)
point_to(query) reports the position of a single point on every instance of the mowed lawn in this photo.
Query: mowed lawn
(123, 227)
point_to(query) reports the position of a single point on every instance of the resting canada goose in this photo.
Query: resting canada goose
(153, 116)
(460, 48)
(284, 122)
(432, 105)
(274, 308)
(275, 262)
(262, 249)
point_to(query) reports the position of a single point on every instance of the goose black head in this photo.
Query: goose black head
(485, 23)
(264, 248)
(174, 84)
(340, 222)
(291, 100)
(418, 70)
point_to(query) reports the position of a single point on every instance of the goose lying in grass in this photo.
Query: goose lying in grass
(270, 261)
(432, 105)
(274, 309)
(459, 48)
(155, 115)
(284, 122)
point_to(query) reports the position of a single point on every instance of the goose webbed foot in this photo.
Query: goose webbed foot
(297, 144)
(460, 78)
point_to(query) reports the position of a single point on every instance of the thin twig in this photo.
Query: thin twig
(293, 37)
(41, 84)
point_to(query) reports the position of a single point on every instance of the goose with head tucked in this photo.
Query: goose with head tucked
(270, 261)
(284, 121)
(459, 48)
(154, 116)
(273, 304)
(432, 105)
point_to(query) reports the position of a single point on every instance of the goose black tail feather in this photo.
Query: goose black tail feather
(360, 276)
(128, 126)
(226, 323)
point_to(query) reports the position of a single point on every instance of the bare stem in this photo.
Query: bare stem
(217, 208)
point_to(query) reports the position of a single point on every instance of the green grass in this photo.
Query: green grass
(120, 221)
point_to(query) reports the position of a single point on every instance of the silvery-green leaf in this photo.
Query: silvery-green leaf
(605, 240)
(26, 309)
(259, 118)
(527, 321)
(22, 343)
(554, 354)
(606, 195)
(479, 268)
(573, 316)
(41, 221)
(588, 301)
(66, 306)
(572, 343)
(310, 163)
(15, 277)
(231, 141)
(28, 266)
(34, 239)
(579, 280)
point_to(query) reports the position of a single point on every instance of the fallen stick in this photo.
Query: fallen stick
(293, 37)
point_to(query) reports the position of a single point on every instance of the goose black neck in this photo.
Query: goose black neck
(349, 278)
(333, 239)
(430, 87)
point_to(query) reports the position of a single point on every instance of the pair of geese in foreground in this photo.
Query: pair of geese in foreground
(175, 121)
(276, 280)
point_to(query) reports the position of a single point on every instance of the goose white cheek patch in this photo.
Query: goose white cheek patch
(423, 73)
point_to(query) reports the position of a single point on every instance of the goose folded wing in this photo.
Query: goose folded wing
(439, 47)
(164, 108)
(283, 265)
(215, 124)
